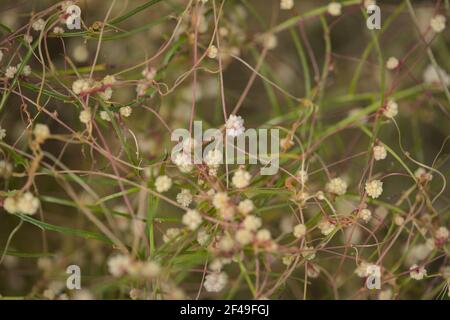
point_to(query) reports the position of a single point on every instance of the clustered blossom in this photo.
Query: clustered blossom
(24, 203)
(215, 282)
(436, 75)
(38, 25)
(326, 227)
(337, 186)
(163, 184)
(192, 219)
(286, 4)
(171, 234)
(374, 188)
(10, 72)
(41, 132)
(335, 9)
(241, 179)
(246, 206)
(85, 116)
(365, 214)
(391, 109)
(379, 153)
(212, 52)
(120, 265)
(417, 273)
(392, 63)
(235, 126)
(184, 198)
(437, 23)
(299, 230)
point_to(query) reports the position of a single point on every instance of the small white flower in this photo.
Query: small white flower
(10, 72)
(105, 116)
(109, 80)
(2, 133)
(437, 23)
(226, 244)
(335, 9)
(28, 204)
(212, 52)
(392, 63)
(163, 184)
(85, 116)
(417, 273)
(81, 85)
(365, 214)
(28, 38)
(41, 132)
(58, 30)
(442, 234)
(326, 227)
(244, 236)
(119, 265)
(263, 235)
(215, 282)
(203, 237)
(391, 109)
(379, 153)
(241, 179)
(184, 198)
(170, 234)
(150, 269)
(38, 25)
(125, 111)
(192, 219)
(337, 186)
(374, 188)
(106, 94)
(235, 126)
(270, 41)
(26, 70)
(299, 230)
(183, 162)
(286, 4)
(252, 223)
(221, 200)
(246, 206)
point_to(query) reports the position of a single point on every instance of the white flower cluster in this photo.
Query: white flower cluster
(215, 282)
(241, 179)
(234, 126)
(391, 109)
(192, 219)
(433, 75)
(41, 132)
(246, 206)
(299, 230)
(120, 265)
(337, 186)
(379, 153)
(326, 227)
(24, 203)
(437, 23)
(335, 9)
(163, 184)
(416, 272)
(286, 4)
(374, 188)
(184, 198)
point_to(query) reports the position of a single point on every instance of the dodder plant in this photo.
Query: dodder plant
(87, 177)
